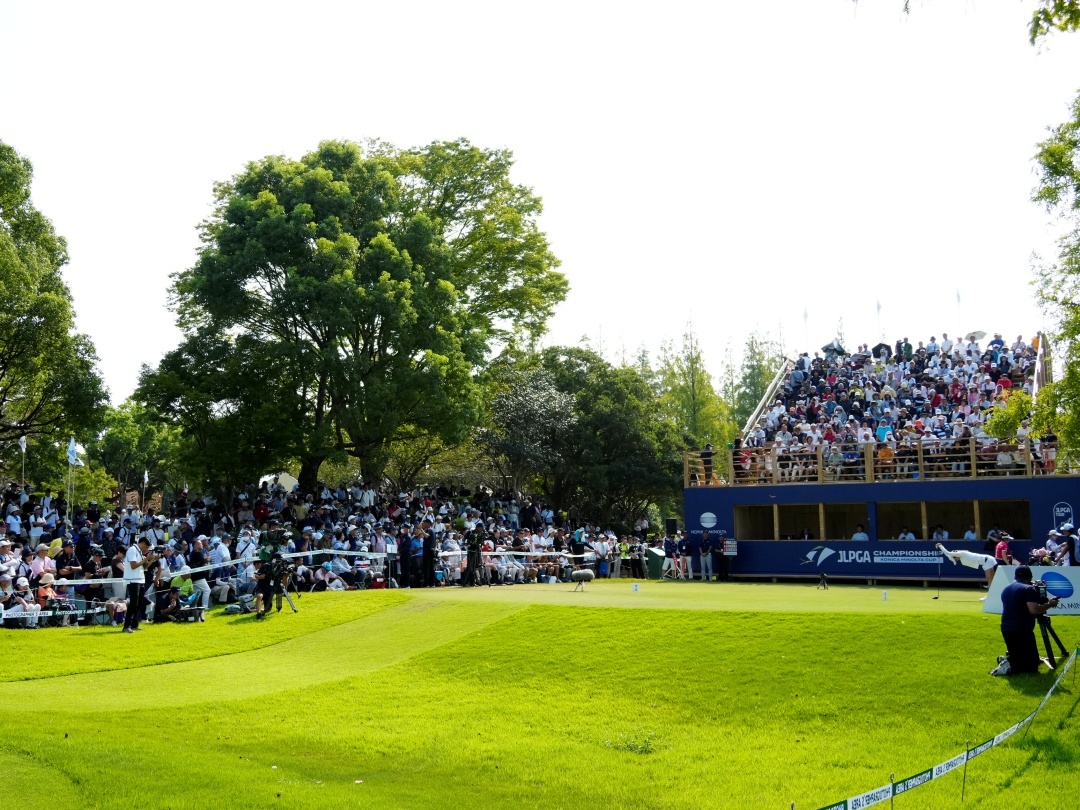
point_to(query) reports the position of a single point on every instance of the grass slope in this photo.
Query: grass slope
(57, 651)
(490, 697)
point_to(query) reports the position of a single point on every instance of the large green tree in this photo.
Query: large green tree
(760, 362)
(527, 422)
(373, 281)
(622, 453)
(688, 393)
(135, 444)
(49, 383)
(1058, 283)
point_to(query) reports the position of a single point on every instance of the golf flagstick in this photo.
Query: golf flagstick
(938, 596)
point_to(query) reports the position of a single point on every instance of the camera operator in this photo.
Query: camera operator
(137, 561)
(264, 588)
(1021, 604)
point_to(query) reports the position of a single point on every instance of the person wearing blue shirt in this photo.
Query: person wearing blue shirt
(1020, 605)
(860, 533)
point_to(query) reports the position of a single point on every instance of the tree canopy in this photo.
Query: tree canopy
(49, 383)
(353, 294)
(1058, 283)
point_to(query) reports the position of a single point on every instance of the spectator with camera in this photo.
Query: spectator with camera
(18, 601)
(136, 561)
(1021, 606)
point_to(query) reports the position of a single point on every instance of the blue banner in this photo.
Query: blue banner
(852, 558)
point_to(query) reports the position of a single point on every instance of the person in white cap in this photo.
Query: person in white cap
(19, 601)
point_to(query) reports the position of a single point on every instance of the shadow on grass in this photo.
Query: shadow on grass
(1051, 751)
(1032, 684)
(1072, 709)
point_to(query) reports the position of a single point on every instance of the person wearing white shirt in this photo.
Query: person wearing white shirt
(14, 524)
(137, 560)
(246, 545)
(860, 533)
(946, 345)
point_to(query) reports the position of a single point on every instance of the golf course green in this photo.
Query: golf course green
(676, 695)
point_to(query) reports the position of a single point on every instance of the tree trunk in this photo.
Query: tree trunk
(309, 474)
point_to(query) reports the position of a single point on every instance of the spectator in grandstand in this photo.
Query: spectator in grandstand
(906, 534)
(860, 533)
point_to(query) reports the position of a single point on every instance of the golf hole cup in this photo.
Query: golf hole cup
(637, 587)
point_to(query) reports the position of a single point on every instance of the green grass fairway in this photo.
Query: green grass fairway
(680, 695)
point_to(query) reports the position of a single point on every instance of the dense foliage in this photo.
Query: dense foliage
(345, 301)
(1058, 283)
(49, 384)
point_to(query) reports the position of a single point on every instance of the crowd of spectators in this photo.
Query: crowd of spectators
(892, 403)
(77, 567)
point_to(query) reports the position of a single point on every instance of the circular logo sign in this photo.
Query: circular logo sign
(708, 520)
(1063, 513)
(1057, 584)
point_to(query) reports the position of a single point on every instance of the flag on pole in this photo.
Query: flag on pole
(958, 295)
(22, 443)
(73, 455)
(878, 307)
(145, 478)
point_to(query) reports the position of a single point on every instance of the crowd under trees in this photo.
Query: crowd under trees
(369, 312)
(363, 313)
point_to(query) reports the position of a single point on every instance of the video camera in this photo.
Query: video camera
(1040, 588)
(281, 568)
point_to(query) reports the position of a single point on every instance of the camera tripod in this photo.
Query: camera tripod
(823, 582)
(281, 588)
(1047, 632)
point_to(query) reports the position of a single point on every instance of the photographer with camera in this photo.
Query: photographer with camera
(137, 560)
(1021, 605)
(264, 588)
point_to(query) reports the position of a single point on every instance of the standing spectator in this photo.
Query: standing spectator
(135, 561)
(197, 559)
(706, 551)
(671, 549)
(686, 557)
(1001, 551)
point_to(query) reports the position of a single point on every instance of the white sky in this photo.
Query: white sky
(733, 163)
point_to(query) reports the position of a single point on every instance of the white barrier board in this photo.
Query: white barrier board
(1063, 581)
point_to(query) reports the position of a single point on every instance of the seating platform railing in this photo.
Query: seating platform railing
(923, 459)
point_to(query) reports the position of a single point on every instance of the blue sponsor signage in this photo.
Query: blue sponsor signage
(1056, 584)
(878, 560)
